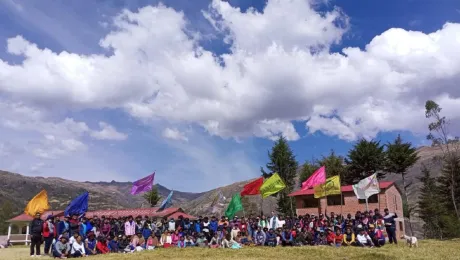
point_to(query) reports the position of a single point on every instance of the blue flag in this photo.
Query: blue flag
(78, 206)
(167, 202)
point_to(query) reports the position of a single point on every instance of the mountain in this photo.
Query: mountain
(19, 189)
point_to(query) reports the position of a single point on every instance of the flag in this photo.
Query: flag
(167, 202)
(318, 177)
(143, 185)
(78, 206)
(218, 202)
(272, 185)
(38, 204)
(252, 188)
(330, 187)
(367, 187)
(234, 206)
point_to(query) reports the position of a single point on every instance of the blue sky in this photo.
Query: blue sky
(71, 111)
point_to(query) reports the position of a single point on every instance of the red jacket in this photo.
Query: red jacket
(46, 229)
(102, 247)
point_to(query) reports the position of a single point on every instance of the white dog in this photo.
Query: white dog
(411, 241)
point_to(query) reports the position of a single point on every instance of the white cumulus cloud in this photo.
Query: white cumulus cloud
(174, 134)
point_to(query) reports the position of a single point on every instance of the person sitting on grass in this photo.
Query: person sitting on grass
(260, 237)
(377, 236)
(101, 246)
(61, 248)
(215, 241)
(363, 239)
(330, 237)
(271, 238)
(78, 248)
(349, 238)
(175, 237)
(123, 243)
(287, 238)
(90, 244)
(181, 243)
(189, 241)
(338, 238)
(166, 239)
(114, 247)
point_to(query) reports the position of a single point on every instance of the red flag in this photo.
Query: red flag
(252, 188)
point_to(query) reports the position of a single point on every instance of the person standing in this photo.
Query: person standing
(36, 230)
(273, 221)
(49, 231)
(390, 224)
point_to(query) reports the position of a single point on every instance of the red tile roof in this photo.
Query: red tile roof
(25, 218)
(151, 212)
(348, 188)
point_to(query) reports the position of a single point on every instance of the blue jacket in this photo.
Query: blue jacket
(213, 225)
(197, 228)
(283, 236)
(146, 233)
(63, 228)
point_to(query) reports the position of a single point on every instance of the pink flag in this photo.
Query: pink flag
(318, 177)
(143, 185)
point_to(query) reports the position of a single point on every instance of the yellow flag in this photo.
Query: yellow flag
(38, 204)
(330, 187)
(272, 185)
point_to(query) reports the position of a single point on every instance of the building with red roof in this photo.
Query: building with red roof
(347, 203)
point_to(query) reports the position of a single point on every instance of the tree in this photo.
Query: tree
(430, 207)
(364, 159)
(308, 168)
(440, 137)
(152, 197)
(282, 161)
(400, 157)
(449, 183)
(334, 165)
(6, 212)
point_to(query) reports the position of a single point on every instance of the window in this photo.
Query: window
(401, 226)
(395, 202)
(372, 199)
(335, 200)
(310, 202)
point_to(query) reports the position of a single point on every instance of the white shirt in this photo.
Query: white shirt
(274, 222)
(72, 240)
(363, 238)
(77, 247)
(281, 223)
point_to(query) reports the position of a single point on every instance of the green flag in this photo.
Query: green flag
(234, 206)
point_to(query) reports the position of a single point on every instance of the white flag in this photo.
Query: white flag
(367, 187)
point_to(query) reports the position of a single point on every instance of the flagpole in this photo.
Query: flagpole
(367, 205)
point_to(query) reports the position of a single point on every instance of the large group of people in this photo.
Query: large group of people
(78, 236)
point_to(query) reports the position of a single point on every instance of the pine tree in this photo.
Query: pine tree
(334, 165)
(449, 183)
(364, 159)
(400, 157)
(152, 197)
(430, 207)
(282, 161)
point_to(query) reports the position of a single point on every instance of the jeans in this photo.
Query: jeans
(35, 242)
(48, 243)
(391, 231)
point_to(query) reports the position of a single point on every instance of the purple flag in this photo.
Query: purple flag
(143, 185)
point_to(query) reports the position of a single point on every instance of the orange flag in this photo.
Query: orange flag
(38, 204)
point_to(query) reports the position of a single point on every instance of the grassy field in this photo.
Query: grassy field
(427, 250)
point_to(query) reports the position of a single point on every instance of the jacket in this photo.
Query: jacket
(63, 227)
(102, 247)
(213, 225)
(36, 227)
(59, 248)
(46, 229)
(130, 228)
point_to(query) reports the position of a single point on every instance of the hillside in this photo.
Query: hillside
(19, 189)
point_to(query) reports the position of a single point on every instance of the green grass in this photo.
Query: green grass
(427, 250)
